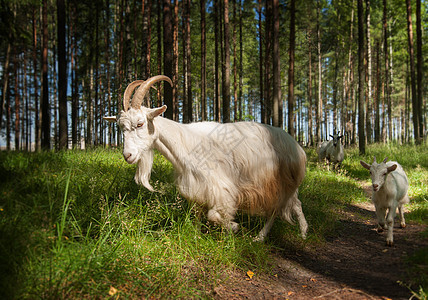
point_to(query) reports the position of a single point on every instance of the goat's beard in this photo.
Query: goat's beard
(144, 169)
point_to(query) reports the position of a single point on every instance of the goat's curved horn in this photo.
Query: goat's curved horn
(144, 88)
(128, 92)
(385, 160)
(374, 159)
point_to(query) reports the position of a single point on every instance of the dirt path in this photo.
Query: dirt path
(354, 264)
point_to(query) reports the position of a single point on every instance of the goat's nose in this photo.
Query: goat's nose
(375, 186)
(127, 155)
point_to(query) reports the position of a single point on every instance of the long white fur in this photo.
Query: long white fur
(224, 167)
(389, 186)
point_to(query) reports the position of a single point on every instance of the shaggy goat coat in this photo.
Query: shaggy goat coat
(225, 167)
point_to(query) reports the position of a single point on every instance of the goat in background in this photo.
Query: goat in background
(332, 151)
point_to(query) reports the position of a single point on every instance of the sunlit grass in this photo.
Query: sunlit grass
(74, 224)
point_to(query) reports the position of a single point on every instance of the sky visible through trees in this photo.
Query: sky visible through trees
(311, 67)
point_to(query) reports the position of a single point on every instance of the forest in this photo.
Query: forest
(310, 67)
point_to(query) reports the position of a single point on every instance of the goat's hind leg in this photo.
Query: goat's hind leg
(265, 230)
(297, 209)
(401, 216)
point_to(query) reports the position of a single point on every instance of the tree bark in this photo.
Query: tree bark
(387, 75)
(203, 64)
(310, 132)
(319, 101)
(412, 73)
(361, 75)
(17, 100)
(46, 117)
(168, 40)
(226, 65)
(217, 105)
(62, 76)
(277, 68)
(420, 69)
(262, 99)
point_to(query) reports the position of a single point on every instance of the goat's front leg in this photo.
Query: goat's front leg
(380, 213)
(216, 217)
(390, 224)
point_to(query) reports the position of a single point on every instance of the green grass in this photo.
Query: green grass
(74, 224)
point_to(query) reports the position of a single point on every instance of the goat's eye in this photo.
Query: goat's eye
(140, 125)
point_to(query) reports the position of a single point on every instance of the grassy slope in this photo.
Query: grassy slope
(74, 224)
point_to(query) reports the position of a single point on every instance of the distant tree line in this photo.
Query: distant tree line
(310, 67)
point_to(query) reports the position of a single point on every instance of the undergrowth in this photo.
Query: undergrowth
(74, 224)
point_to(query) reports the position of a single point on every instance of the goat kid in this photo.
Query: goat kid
(389, 185)
(224, 167)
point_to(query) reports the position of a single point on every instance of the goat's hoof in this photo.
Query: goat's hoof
(259, 238)
(403, 225)
(379, 230)
(234, 227)
(389, 243)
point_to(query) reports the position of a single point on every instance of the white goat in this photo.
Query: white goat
(224, 167)
(332, 151)
(389, 185)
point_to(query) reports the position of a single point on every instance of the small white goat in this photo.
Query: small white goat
(332, 151)
(389, 185)
(224, 167)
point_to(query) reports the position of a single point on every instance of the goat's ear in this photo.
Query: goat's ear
(340, 136)
(391, 168)
(153, 113)
(365, 165)
(110, 119)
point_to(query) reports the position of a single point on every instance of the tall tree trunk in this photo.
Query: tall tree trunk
(203, 64)
(188, 57)
(412, 73)
(387, 75)
(5, 81)
(37, 132)
(97, 115)
(277, 68)
(176, 114)
(46, 117)
(107, 79)
(74, 100)
(377, 95)
(267, 60)
(168, 40)
(216, 62)
(310, 132)
(262, 99)
(319, 101)
(235, 58)
(361, 123)
(17, 100)
(62, 76)
(420, 69)
(369, 76)
(241, 65)
(226, 65)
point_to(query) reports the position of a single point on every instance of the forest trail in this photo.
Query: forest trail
(353, 264)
